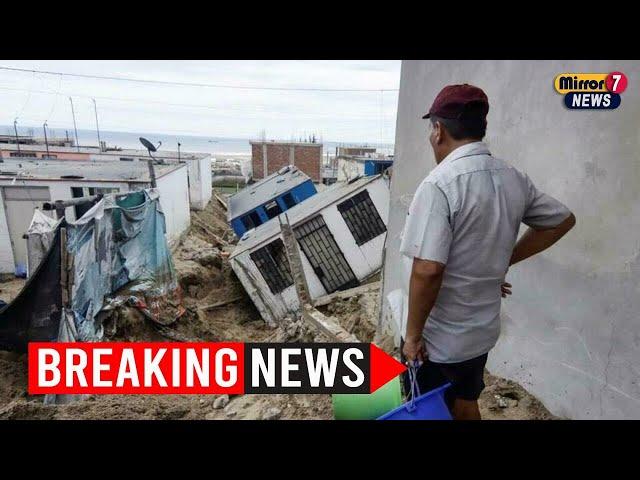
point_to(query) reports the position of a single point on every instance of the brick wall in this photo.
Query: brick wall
(307, 158)
(256, 161)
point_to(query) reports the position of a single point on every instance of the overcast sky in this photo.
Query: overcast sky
(212, 112)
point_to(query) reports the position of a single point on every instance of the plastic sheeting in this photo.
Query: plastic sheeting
(119, 242)
(39, 238)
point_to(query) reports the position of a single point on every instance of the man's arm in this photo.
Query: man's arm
(426, 239)
(426, 278)
(535, 240)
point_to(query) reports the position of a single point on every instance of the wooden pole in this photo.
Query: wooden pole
(152, 173)
(63, 268)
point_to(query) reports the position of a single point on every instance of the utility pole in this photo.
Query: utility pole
(15, 129)
(95, 109)
(75, 129)
(46, 142)
(178, 151)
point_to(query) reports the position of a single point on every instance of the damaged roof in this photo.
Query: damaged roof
(302, 211)
(266, 189)
(100, 171)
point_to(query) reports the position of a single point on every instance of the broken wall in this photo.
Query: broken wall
(571, 330)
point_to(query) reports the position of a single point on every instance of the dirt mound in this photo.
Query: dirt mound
(10, 287)
(503, 399)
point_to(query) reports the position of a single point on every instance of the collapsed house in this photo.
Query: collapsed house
(268, 198)
(340, 235)
(26, 183)
(115, 253)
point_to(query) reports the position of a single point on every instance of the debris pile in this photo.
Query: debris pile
(218, 309)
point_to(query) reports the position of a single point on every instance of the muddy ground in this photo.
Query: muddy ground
(206, 278)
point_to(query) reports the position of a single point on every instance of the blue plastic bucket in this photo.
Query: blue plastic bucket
(430, 406)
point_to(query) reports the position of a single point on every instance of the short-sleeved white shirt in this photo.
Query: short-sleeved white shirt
(466, 215)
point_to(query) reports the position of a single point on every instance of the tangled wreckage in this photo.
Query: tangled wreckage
(115, 253)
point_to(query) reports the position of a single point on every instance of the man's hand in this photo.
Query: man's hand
(414, 349)
(505, 289)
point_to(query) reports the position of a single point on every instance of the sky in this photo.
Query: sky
(341, 116)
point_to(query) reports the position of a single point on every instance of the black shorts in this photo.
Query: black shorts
(466, 378)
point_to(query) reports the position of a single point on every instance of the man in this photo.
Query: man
(461, 234)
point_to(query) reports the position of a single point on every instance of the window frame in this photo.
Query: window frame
(362, 217)
(272, 263)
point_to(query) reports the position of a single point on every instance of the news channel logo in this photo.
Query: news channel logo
(591, 91)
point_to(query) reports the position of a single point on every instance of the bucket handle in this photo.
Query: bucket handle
(415, 389)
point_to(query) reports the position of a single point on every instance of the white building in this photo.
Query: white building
(25, 184)
(198, 164)
(341, 233)
(350, 167)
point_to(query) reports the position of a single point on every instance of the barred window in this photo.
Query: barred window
(272, 262)
(362, 218)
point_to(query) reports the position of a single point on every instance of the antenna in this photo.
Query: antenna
(95, 108)
(46, 142)
(75, 129)
(15, 128)
(150, 148)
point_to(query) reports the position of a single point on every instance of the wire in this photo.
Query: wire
(27, 100)
(207, 85)
(55, 100)
(243, 111)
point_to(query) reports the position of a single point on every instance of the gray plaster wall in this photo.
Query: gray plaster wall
(571, 330)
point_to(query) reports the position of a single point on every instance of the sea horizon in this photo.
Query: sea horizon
(217, 146)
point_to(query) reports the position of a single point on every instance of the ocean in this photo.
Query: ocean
(219, 146)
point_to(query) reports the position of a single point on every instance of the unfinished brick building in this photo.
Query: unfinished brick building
(272, 156)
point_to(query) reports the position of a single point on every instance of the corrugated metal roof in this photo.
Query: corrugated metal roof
(253, 196)
(302, 211)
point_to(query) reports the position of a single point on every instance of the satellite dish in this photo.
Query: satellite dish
(147, 144)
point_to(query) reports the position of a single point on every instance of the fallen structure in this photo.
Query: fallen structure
(340, 234)
(268, 198)
(120, 242)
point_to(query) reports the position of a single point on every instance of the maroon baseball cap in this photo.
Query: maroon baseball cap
(452, 101)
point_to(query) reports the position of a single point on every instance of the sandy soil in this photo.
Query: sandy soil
(206, 278)
(10, 287)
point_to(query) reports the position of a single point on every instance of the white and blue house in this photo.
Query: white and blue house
(258, 203)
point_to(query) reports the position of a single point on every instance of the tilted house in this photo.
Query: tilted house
(341, 234)
(258, 203)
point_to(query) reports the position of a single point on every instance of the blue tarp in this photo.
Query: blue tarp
(120, 242)
(117, 242)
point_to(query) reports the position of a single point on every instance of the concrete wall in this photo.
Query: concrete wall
(199, 172)
(571, 331)
(174, 200)
(349, 168)
(7, 264)
(58, 190)
(24, 149)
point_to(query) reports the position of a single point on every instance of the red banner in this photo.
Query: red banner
(207, 368)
